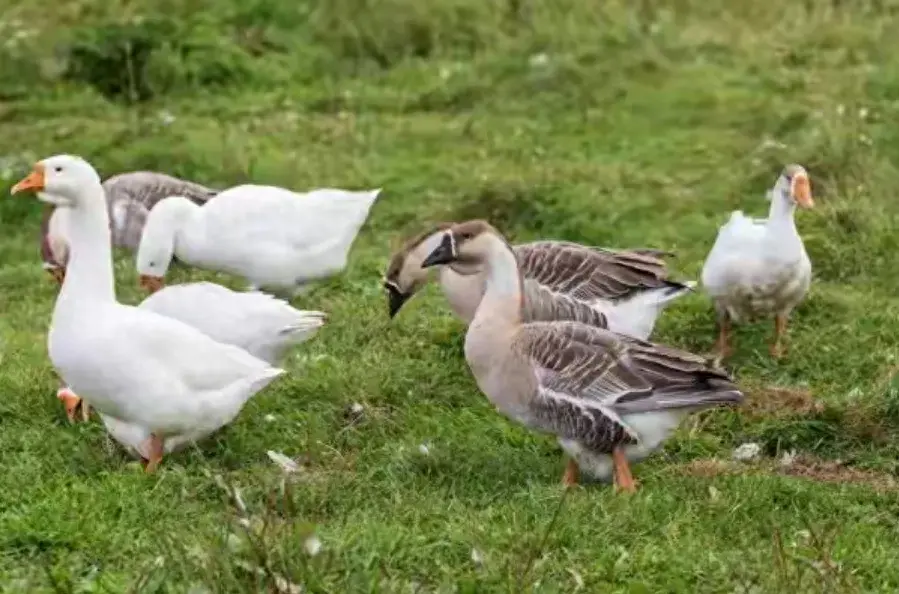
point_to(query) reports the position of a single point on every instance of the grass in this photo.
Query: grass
(590, 121)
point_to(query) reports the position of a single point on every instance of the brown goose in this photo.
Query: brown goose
(608, 398)
(624, 290)
(129, 198)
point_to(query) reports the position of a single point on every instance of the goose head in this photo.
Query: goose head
(404, 275)
(468, 244)
(793, 185)
(61, 180)
(157, 243)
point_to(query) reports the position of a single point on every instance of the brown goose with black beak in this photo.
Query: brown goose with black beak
(624, 290)
(609, 399)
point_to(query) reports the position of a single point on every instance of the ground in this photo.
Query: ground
(599, 122)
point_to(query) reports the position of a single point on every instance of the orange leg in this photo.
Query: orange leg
(85, 410)
(780, 328)
(154, 447)
(572, 473)
(722, 346)
(624, 480)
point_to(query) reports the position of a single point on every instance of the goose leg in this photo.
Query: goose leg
(58, 274)
(572, 473)
(154, 448)
(722, 346)
(780, 328)
(624, 480)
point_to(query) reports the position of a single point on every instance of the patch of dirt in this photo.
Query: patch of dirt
(801, 466)
(834, 471)
(710, 467)
(779, 402)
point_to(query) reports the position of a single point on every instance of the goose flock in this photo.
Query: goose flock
(558, 333)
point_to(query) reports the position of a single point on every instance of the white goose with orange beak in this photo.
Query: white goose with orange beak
(166, 378)
(759, 267)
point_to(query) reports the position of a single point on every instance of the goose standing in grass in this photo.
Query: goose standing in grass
(129, 198)
(609, 398)
(759, 267)
(622, 290)
(274, 238)
(260, 324)
(135, 365)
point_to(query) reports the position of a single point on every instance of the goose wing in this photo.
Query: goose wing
(589, 379)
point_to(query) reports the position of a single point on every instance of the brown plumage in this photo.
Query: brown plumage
(607, 397)
(624, 290)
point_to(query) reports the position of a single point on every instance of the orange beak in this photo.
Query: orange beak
(72, 403)
(801, 190)
(35, 180)
(151, 283)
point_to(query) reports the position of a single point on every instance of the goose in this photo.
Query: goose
(274, 238)
(136, 365)
(759, 267)
(260, 324)
(610, 399)
(129, 197)
(622, 290)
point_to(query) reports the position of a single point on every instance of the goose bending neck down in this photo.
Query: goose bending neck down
(132, 364)
(174, 221)
(274, 238)
(622, 290)
(609, 398)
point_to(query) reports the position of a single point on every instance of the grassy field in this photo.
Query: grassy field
(608, 123)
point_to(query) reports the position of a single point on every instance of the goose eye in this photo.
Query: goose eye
(58, 169)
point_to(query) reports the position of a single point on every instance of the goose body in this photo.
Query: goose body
(610, 399)
(274, 238)
(622, 290)
(260, 324)
(759, 267)
(135, 365)
(129, 198)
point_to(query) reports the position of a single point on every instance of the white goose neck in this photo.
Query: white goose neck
(782, 207)
(89, 273)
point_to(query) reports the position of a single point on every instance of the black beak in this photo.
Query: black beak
(444, 254)
(395, 300)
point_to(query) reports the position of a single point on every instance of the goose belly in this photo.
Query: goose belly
(654, 428)
(276, 265)
(749, 289)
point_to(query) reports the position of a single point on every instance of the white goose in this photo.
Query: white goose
(274, 238)
(759, 267)
(136, 365)
(260, 324)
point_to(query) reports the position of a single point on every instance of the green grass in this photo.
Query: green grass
(588, 121)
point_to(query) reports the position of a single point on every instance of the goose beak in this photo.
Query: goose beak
(35, 181)
(395, 299)
(444, 254)
(801, 190)
(151, 283)
(72, 403)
